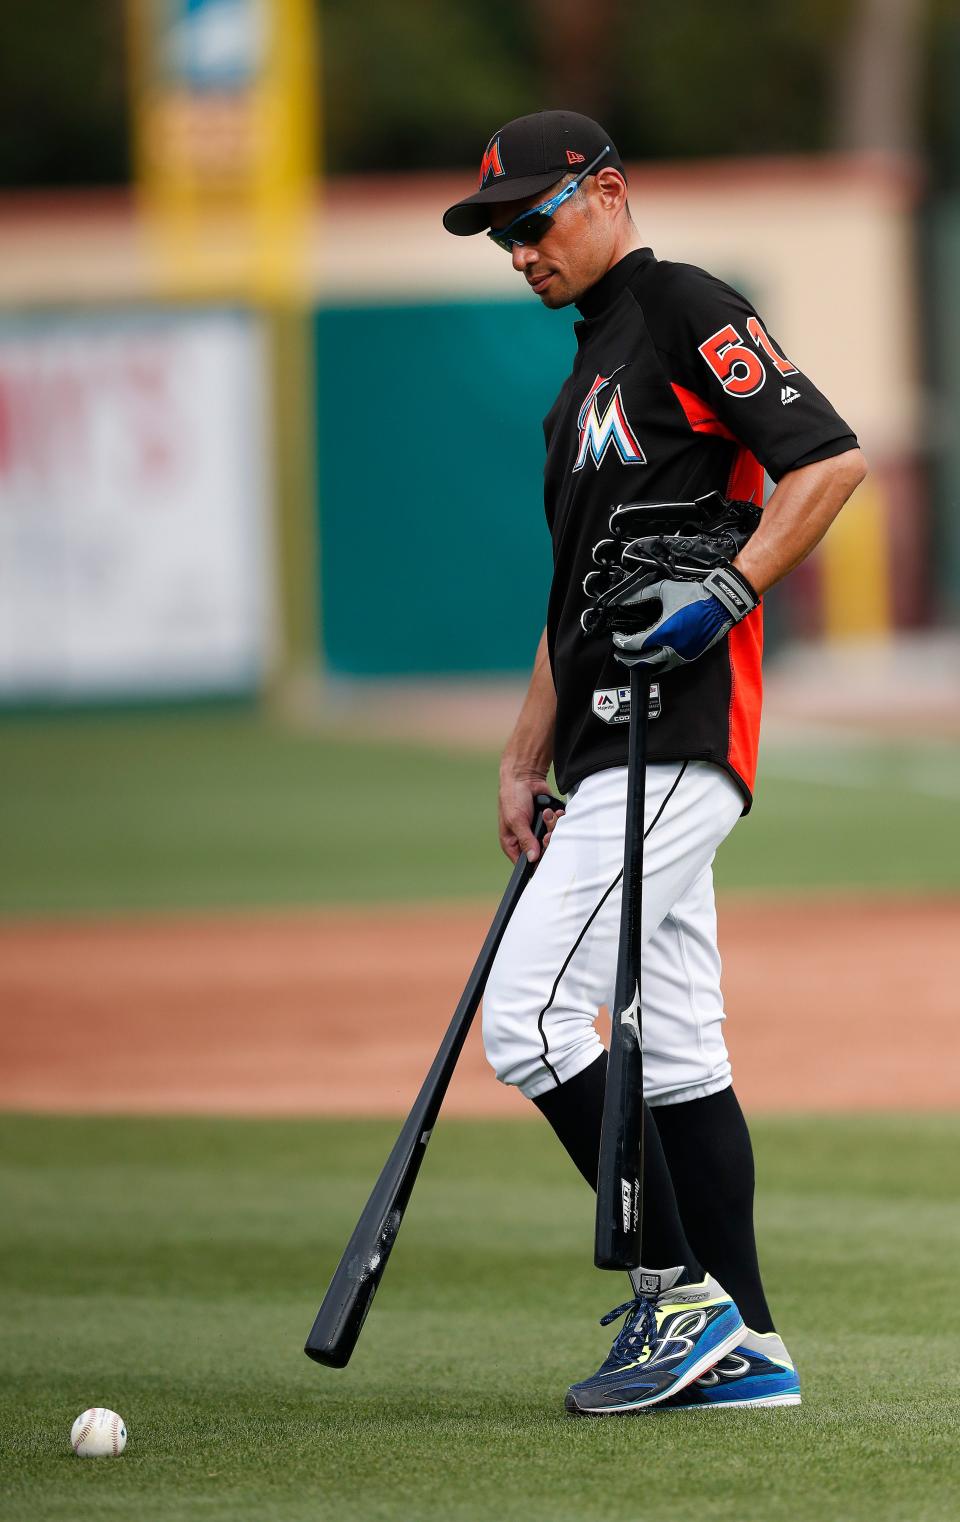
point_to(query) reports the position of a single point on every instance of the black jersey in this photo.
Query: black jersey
(677, 389)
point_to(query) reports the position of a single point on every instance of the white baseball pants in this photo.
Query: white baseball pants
(557, 962)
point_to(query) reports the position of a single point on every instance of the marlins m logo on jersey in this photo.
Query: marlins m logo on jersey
(598, 430)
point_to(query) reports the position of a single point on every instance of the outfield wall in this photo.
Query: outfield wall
(461, 370)
(944, 322)
(134, 506)
(434, 367)
(435, 555)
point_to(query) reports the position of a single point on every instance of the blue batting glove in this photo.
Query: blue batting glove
(694, 616)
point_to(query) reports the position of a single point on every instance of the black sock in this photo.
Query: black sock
(708, 1151)
(575, 1111)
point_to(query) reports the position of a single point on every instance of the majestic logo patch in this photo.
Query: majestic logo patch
(612, 704)
(598, 430)
(491, 163)
(788, 394)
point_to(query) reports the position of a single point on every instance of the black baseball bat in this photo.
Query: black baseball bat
(620, 1175)
(340, 1318)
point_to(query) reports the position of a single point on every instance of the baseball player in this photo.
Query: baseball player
(678, 389)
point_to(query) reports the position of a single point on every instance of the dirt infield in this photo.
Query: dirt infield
(832, 1005)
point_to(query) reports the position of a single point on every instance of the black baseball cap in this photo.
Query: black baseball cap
(530, 154)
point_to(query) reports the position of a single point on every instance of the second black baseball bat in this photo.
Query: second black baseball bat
(340, 1318)
(620, 1178)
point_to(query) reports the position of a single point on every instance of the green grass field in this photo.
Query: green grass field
(220, 810)
(171, 1270)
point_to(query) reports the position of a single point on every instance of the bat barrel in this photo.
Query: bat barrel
(344, 1309)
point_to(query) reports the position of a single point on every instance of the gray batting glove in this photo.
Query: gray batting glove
(694, 616)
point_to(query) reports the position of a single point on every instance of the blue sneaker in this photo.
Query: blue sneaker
(759, 1372)
(669, 1338)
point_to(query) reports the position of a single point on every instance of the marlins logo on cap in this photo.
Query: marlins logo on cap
(491, 163)
(529, 155)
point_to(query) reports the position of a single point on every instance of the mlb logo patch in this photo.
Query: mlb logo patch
(612, 704)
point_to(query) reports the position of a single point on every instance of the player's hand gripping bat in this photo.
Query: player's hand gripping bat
(340, 1318)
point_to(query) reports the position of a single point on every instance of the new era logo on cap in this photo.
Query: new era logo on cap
(575, 158)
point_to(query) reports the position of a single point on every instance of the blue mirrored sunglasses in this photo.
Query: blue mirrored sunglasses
(535, 223)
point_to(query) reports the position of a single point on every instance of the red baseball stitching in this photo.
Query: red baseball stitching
(85, 1431)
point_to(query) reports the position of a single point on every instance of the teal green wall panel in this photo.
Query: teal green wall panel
(944, 305)
(434, 555)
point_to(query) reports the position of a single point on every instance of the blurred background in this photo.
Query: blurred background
(273, 566)
(255, 404)
(239, 358)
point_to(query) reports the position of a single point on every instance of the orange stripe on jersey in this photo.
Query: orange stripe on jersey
(745, 482)
(745, 643)
(699, 414)
(745, 640)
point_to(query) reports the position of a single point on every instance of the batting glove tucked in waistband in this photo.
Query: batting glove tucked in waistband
(669, 593)
(676, 621)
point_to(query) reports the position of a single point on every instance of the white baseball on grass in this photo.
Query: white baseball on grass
(98, 1433)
